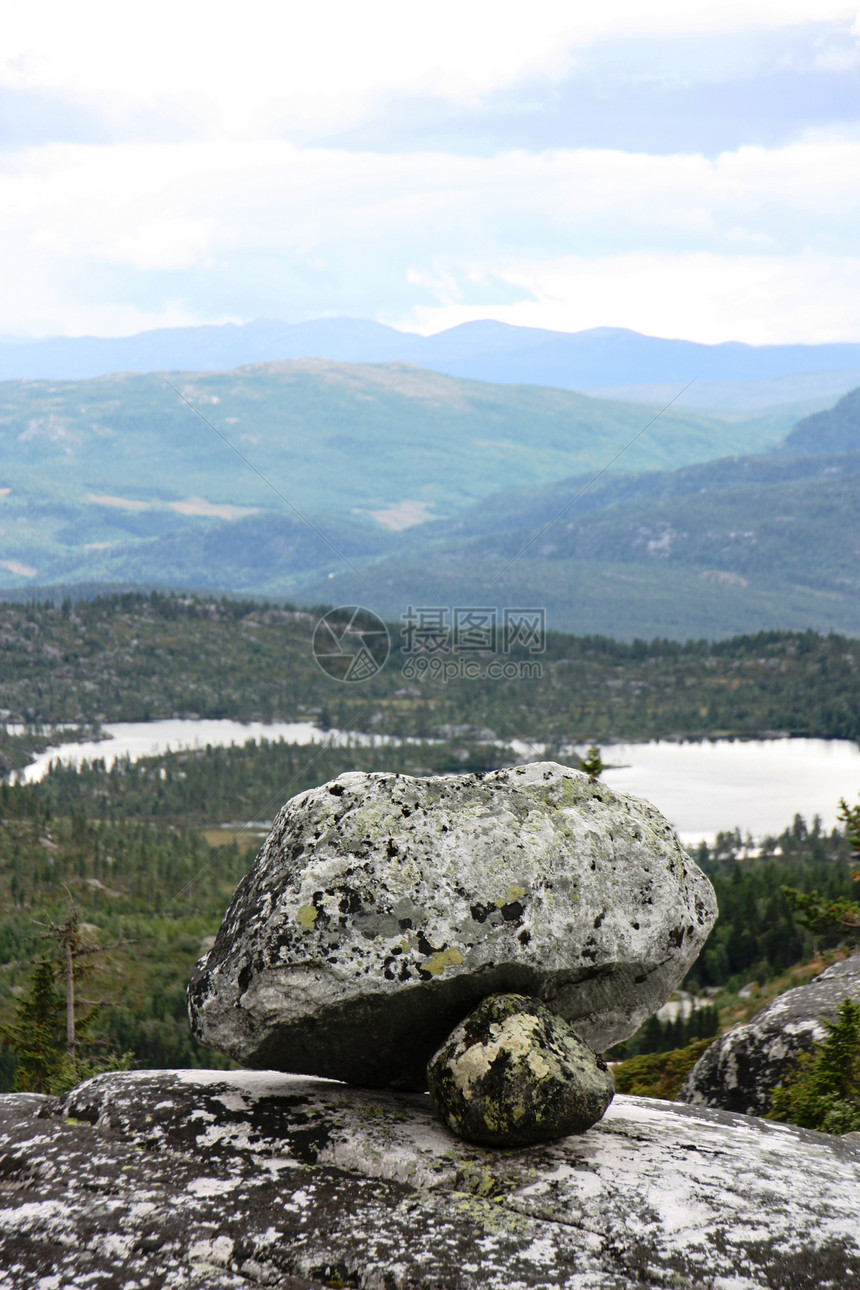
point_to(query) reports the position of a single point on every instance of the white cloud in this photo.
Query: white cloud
(120, 238)
(268, 66)
(696, 296)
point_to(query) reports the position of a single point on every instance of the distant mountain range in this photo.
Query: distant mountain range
(608, 361)
(392, 486)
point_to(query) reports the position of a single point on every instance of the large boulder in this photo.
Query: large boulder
(739, 1071)
(381, 909)
(215, 1180)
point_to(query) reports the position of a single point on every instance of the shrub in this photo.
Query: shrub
(823, 1091)
(659, 1074)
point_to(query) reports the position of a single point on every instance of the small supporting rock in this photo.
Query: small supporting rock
(513, 1073)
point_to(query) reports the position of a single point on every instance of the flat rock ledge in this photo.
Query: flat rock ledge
(221, 1180)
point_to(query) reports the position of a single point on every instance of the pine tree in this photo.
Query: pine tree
(592, 763)
(850, 815)
(36, 1036)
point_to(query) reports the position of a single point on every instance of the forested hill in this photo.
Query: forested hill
(137, 658)
(835, 430)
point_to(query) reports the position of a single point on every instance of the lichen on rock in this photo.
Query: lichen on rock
(382, 909)
(513, 1074)
(221, 1180)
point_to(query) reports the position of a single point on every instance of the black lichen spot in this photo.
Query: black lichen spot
(524, 937)
(425, 947)
(350, 903)
(336, 790)
(405, 924)
(306, 1144)
(513, 912)
(600, 917)
(479, 912)
(322, 918)
(676, 936)
(392, 849)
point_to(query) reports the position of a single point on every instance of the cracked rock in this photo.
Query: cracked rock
(513, 1074)
(382, 909)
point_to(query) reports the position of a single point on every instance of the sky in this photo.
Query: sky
(685, 170)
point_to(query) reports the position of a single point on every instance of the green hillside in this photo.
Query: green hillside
(89, 467)
(714, 550)
(631, 599)
(741, 545)
(270, 553)
(117, 481)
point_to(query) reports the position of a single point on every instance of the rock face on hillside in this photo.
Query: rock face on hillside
(739, 1071)
(382, 909)
(207, 1180)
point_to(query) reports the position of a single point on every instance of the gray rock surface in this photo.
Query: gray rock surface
(382, 909)
(739, 1070)
(513, 1074)
(203, 1180)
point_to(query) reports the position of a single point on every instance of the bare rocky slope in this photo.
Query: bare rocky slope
(220, 1181)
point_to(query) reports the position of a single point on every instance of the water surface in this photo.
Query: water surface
(704, 788)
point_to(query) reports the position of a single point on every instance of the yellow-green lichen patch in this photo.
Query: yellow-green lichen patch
(307, 917)
(442, 959)
(512, 894)
(492, 1215)
(482, 1181)
(375, 821)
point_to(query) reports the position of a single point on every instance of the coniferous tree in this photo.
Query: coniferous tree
(592, 763)
(52, 1042)
(36, 1036)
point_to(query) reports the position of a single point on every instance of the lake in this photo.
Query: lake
(757, 786)
(136, 739)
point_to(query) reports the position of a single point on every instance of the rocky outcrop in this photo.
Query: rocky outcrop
(382, 909)
(214, 1181)
(740, 1070)
(513, 1073)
